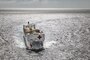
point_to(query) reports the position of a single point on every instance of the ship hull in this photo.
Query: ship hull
(32, 44)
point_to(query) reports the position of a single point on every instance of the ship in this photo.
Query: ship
(33, 38)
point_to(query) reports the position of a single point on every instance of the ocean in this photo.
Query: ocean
(67, 36)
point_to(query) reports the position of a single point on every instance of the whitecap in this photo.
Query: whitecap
(49, 44)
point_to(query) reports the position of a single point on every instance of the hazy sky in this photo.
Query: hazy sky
(45, 3)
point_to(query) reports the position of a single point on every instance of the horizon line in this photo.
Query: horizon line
(44, 10)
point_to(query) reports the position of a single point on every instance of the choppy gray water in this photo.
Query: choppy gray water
(67, 36)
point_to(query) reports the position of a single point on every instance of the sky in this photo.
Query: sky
(44, 3)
